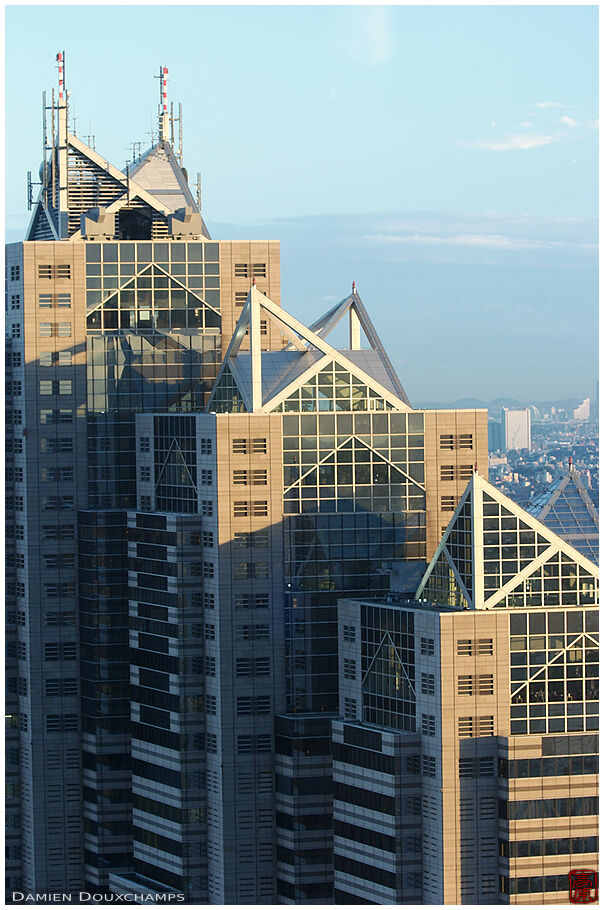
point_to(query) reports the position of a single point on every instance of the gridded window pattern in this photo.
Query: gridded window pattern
(256, 477)
(476, 726)
(349, 462)
(153, 292)
(388, 667)
(554, 671)
(560, 580)
(335, 389)
(427, 646)
(175, 464)
(469, 647)
(456, 472)
(475, 685)
(245, 508)
(428, 725)
(60, 270)
(226, 398)
(427, 683)
(441, 587)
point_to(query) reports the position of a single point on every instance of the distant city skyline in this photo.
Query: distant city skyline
(444, 158)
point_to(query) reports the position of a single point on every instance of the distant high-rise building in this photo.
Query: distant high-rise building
(494, 435)
(465, 760)
(582, 412)
(516, 428)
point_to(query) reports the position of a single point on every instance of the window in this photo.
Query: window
(350, 707)
(427, 681)
(259, 446)
(144, 444)
(205, 446)
(465, 726)
(466, 471)
(16, 330)
(427, 646)
(428, 766)
(464, 685)
(428, 725)
(240, 298)
(446, 441)
(485, 684)
(207, 507)
(205, 477)
(447, 472)
(15, 272)
(485, 646)
(207, 538)
(349, 633)
(210, 666)
(63, 270)
(44, 301)
(64, 330)
(259, 270)
(64, 358)
(145, 473)
(259, 478)
(350, 669)
(260, 507)
(466, 441)
(45, 271)
(241, 270)
(64, 386)
(145, 503)
(64, 301)
(240, 478)
(15, 302)
(240, 447)
(46, 387)
(45, 329)
(447, 503)
(464, 647)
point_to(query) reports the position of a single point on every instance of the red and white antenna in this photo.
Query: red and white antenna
(61, 67)
(163, 102)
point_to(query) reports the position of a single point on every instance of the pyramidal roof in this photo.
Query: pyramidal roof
(77, 182)
(264, 380)
(494, 554)
(567, 509)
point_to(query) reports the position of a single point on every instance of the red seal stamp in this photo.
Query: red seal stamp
(583, 886)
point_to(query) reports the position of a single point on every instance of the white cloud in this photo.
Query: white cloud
(477, 241)
(377, 34)
(545, 104)
(513, 142)
(585, 124)
(526, 124)
(568, 121)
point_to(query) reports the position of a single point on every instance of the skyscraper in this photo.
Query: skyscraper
(465, 767)
(516, 428)
(118, 302)
(195, 478)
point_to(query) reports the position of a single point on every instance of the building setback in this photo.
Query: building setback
(194, 479)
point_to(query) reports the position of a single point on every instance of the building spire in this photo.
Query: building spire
(163, 103)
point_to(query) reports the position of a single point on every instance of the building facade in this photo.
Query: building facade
(194, 478)
(465, 765)
(516, 428)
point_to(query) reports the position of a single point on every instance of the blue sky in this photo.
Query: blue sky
(461, 143)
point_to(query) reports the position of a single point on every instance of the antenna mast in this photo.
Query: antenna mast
(180, 134)
(163, 102)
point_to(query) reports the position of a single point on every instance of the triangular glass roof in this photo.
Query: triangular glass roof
(569, 511)
(226, 397)
(494, 554)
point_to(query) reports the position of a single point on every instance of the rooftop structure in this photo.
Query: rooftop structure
(568, 510)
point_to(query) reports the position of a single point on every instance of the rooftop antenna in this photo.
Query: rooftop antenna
(163, 103)
(62, 115)
(180, 134)
(172, 124)
(198, 188)
(44, 175)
